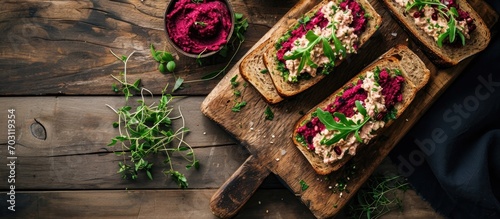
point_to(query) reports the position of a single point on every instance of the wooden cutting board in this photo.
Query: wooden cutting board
(270, 142)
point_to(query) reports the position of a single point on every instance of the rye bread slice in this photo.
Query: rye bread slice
(287, 89)
(253, 70)
(416, 76)
(447, 55)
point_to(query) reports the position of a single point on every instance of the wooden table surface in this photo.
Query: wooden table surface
(55, 69)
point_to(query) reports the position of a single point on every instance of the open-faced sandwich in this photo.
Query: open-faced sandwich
(333, 131)
(299, 56)
(448, 30)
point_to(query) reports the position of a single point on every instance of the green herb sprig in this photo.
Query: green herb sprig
(380, 195)
(166, 62)
(200, 23)
(344, 127)
(268, 113)
(126, 87)
(305, 53)
(303, 185)
(147, 130)
(238, 95)
(451, 14)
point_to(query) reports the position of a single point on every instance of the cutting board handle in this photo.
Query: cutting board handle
(236, 191)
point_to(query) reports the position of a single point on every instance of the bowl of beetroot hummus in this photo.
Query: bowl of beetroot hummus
(199, 28)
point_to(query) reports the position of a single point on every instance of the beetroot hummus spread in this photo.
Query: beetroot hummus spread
(199, 27)
(378, 92)
(348, 21)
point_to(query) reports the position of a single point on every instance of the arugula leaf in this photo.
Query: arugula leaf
(449, 13)
(344, 127)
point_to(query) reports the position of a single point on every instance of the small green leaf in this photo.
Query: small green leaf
(113, 142)
(153, 53)
(360, 107)
(238, 16)
(303, 185)
(328, 50)
(136, 85)
(150, 176)
(268, 113)
(115, 89)
(237, 107)
(178, 83)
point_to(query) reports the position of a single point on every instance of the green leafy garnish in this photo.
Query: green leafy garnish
(303, 185)
(304, 54)
(200, 23)
(237, 107)
(166, 61)
(233, 81)
(126, 87)
(238, 100)
(268, 113)
(146, 130)
(380, 195)
(344, 127)
(451, 14)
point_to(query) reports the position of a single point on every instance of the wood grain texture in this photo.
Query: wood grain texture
(271, 140)
(50, 49)
(236, 191)
(75, 154)
(62, 47)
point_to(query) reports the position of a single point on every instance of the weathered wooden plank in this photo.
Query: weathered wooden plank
(79, 125)
(270, 141)
(61, 47)
(99, 171)
(73, 154)
(191, 203)
(145, 204)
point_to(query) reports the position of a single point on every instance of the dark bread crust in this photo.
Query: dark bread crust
(286, 89)
(250, 69)
(416, 76)
(447, 55)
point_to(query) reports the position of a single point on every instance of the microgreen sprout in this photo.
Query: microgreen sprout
(239, 102)
(200, 23)
(147, 130)
(379, 195)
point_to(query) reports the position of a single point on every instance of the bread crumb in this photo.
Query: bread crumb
(394, 34)
(278, 159)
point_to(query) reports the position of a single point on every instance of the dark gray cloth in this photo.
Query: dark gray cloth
(452, 155)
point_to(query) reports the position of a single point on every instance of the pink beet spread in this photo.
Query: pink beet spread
(199, 27)
(345, 104)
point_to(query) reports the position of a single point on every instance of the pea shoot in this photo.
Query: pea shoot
(146, 130)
